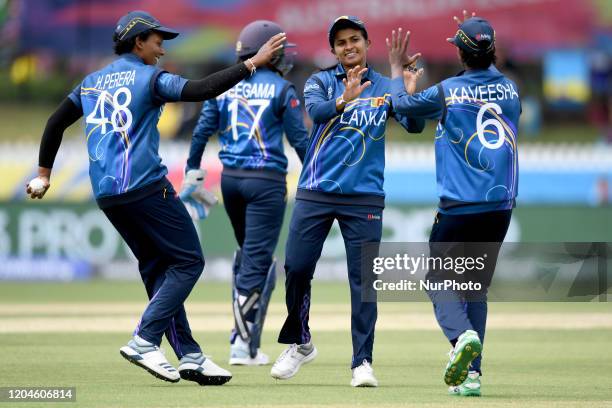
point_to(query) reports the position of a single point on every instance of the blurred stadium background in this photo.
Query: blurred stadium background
(69, 290)
(558, 51)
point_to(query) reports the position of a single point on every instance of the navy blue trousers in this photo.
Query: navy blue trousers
(256, 208)
(161, 234)
(310, 224)
(457, 312)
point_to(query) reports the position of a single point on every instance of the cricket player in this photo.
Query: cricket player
(121, 104)
(250, 119)
(342, 179)
(477, 168)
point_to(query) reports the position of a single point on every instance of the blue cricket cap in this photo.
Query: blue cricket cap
(345, 22)
(136, 22)
(474, 36)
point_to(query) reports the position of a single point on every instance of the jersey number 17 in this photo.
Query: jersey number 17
(261, 105)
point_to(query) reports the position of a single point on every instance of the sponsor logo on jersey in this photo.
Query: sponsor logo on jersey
(311, 86)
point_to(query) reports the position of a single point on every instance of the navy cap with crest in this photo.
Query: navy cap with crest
(136, 22)
(475, 36)
(345, 22)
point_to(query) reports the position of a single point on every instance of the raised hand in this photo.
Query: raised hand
(352, 83)
(411, 76)
(268, 51)
(466, 16)
(398, 53)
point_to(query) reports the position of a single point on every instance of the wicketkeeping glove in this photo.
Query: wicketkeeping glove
(196, 198)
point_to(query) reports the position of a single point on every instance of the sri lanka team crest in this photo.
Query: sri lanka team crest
(376, 102)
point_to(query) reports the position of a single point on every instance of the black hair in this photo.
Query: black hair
(475, 61)
(125, 46)
(344, 26)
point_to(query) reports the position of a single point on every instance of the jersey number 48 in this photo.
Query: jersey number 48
(121, 116)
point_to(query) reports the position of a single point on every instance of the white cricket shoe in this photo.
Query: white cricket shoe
(363, 376)
(469, 388)
(201, 369)
(290, 360)
(240, 354)
(149, 356)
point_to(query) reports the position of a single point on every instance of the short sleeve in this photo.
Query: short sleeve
(75, 96)
(168, 87)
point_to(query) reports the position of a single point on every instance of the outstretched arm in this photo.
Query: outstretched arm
(428, 104)
(219, 82)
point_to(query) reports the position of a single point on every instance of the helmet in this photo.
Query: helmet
(254, 35)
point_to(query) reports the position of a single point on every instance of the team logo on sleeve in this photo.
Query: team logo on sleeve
(376, 102)
(294, 102)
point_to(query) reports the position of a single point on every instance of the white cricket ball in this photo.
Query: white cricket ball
(37, 185)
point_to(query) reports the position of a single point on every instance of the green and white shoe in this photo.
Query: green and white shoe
(467, 348)
(469, 388)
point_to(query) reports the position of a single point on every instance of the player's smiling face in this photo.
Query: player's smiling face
(150, 50)
(350, 47)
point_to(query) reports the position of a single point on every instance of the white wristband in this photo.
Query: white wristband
(253, 67)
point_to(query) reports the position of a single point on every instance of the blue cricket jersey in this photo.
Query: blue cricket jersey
(121, 104)
(345, 161)
(476, 138)
(250, 119)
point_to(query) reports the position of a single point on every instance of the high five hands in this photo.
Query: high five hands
(403, 65)
(352, 86)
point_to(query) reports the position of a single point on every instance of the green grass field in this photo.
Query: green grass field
(556, 360)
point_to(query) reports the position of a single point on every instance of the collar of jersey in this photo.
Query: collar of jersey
(369, 75)
(492, 70)
(132, 57)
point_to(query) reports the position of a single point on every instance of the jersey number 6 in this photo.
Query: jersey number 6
(480, 126)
